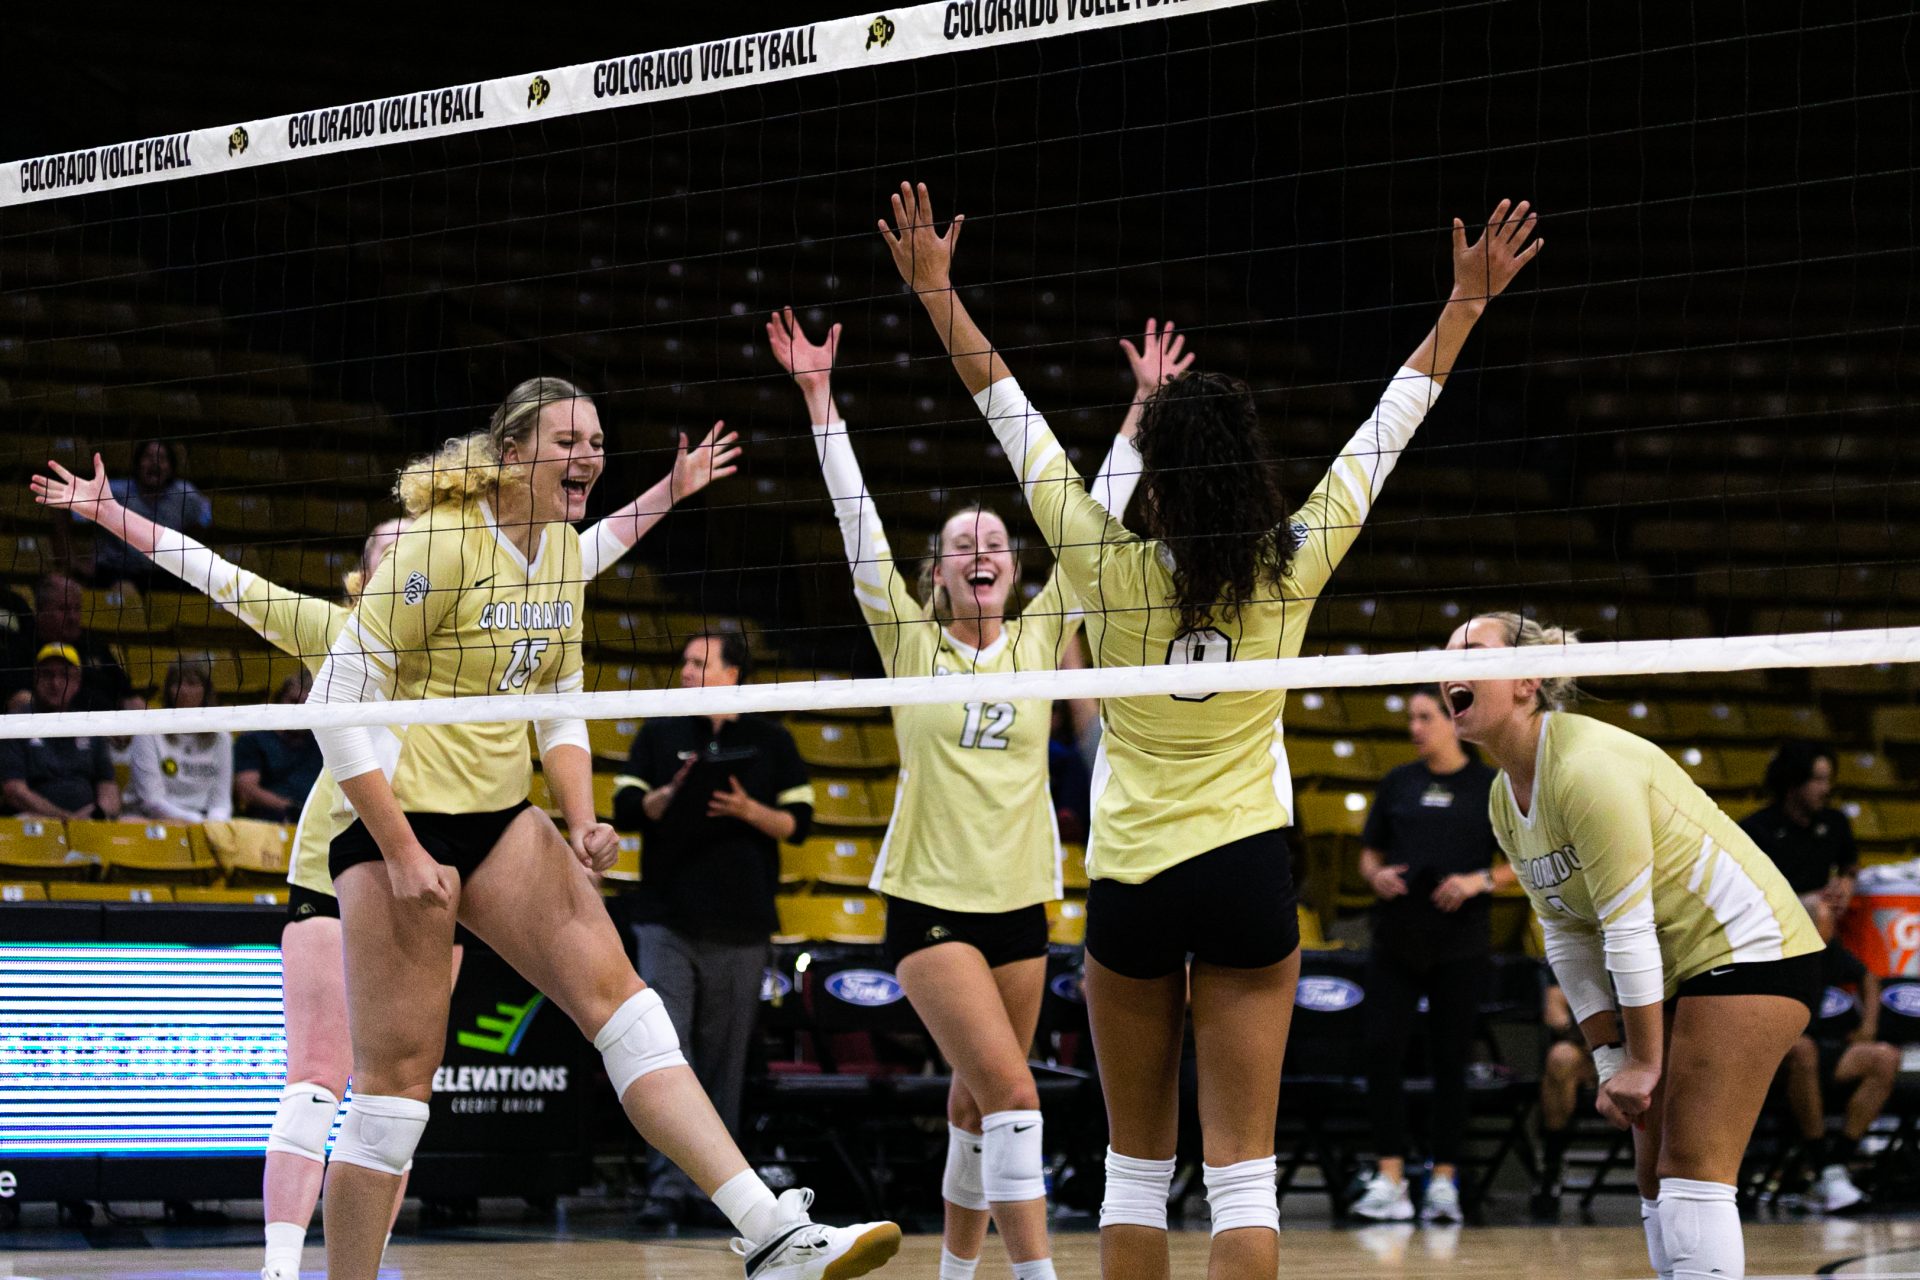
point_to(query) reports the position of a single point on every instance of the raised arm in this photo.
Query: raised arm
(694, 468)
(1481, 272)
(925, 260)
(292, 622)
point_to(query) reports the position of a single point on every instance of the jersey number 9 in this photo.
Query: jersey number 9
(1204, 645)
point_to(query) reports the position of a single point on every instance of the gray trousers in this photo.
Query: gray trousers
(712, 994)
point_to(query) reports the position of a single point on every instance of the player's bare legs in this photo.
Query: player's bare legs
(1137, 1026)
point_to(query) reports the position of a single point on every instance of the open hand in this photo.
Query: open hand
(1455, 890)
(734, 802)
(1389, 882)
(1481, 270)
(810, 363)
(925, 259)
(84, 497)
(1158, 359)
(714, 458)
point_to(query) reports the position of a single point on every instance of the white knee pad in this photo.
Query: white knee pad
(1137, 1192)
(303, 1121)
(1700, 1226)
(638, 1040)
(1656, 1247)
(1243, 1195)
(961, 1184)
(381, 1133)
(1013, 1164)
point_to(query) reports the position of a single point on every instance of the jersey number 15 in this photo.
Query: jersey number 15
(522, 663)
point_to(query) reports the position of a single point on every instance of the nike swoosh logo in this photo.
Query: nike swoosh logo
(772, 1246)
(1715, 973)
(484, 581)
(1021, 1128)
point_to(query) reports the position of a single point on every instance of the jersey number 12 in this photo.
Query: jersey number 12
(987, 726)
(525, 660)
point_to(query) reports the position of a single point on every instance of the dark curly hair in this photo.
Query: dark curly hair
(1210, 490)
(1792, 765)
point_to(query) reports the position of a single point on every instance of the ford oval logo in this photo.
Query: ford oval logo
(775, 985)
(868, 988)
(1067, 987)
(1903, 999)
(1328, 995)
(1837, 1003)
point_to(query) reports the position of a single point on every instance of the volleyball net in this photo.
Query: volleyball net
(1684, 432)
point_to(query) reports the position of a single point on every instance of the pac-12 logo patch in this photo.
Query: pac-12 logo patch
(416, 589)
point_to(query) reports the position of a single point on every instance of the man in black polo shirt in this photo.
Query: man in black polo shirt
(1811, 843)
(58, 777)
(713, 796)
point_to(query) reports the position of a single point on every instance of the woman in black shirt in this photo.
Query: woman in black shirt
(1429, 854)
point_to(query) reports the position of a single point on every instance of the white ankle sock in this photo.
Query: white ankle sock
(748, 1205)
(1038, 1269)
(952, 1268)
(285, 1241)
(1700, 1226)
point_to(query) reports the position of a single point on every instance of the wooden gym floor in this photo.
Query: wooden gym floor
(1888, 1249)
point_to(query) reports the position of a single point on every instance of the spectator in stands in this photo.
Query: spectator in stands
(59, 618)
(157, 491)
(58, 777)
(1840, 1052)
(1811, 843)
(184, 777)
(704, 910)
(1567, 1070)
(1429, 854)
(274, 769)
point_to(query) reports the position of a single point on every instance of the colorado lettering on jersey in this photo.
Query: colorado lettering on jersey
(527, 615)
(1551, 869)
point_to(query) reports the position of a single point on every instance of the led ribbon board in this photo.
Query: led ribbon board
(116, 1050)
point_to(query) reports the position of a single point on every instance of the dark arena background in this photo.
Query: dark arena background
(1692, 420)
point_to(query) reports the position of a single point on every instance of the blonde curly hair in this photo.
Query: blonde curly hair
(471, 467)
(1559, 692)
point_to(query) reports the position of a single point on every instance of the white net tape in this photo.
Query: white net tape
(1622, 658)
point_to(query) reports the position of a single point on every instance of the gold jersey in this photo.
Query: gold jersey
(455, 610)
(1616, 828)
(1178, 776)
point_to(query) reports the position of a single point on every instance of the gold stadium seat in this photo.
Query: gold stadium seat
(15, 891)
(1745, 766)
(262, 897)
(1864, 817)
(1073, 868)
(1393, 752)
(116, 612)
(883, 751)
(827, 745)
(540, 794)
(844, 919)
(1870, 771)
(147, 850)
(845, 802)
(1702, 765)
(1717, 720)
(612, 739)
(250, 851)
(604, 785)
(1900, 819)
(626, 863)
(1898, 725)
(1765, 720)
(1648, 719)
(40, 846)
(59, 892)
(1067, 922)
(1370, 709)
(605, 676)
(244, 513)
(839, 860)
(1316, 711)
(1331, 813)
(1312, 936)
(23, 555)
(1347, 759)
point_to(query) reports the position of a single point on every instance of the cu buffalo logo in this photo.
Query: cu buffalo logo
(1837, 1004)
(1328, 995)
(1903, 999)
(880, 31)
(865, 988)
(237, 142)
(538, 91)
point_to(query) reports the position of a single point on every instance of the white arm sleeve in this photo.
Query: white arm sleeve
(601, 548)
(190, 561)
(563, 731)
(1118, 477)
(1579, 966)
(852, 507)
(353, 672)
(1633, 945)
(1376, 447)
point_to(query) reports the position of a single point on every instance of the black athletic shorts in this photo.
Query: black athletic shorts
(1001, 936)
(1801, 978)
(458, 840)
(304, 904)
(1232, 906)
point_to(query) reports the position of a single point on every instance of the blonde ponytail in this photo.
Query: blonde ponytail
(472, 467)
(1559, 692)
